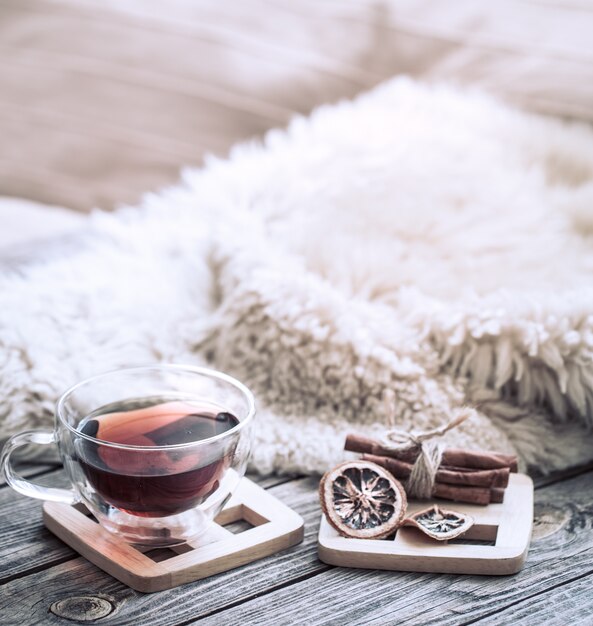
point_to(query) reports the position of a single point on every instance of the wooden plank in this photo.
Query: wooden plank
(562, 551)
(542, 480)
(27, 600)
(566, 604)
(30, 470)
(26, 545)
(563, 510)
(267, 482)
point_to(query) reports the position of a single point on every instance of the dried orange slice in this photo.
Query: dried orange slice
(440, 524)
(361, 499)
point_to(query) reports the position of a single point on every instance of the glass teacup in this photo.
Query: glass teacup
(152, 452)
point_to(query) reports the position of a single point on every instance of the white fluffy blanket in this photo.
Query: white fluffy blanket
(422, 239)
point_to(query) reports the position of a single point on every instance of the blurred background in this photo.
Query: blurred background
(104, 100)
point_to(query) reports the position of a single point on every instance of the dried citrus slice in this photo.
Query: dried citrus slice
(440, 524)
(363, 500)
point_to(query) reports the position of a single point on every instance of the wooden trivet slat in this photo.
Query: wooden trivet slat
(275, 527)
(507, 524)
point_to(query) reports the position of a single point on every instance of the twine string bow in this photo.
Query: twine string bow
(421, 481)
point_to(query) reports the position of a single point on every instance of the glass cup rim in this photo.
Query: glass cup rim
(204, 371)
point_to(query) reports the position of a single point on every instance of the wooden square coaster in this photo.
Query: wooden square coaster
(274, 527)
(505, 529)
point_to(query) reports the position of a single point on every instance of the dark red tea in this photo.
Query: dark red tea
(156, 483)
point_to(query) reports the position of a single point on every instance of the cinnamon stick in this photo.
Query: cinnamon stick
(459, 493)
(456, 457)
(450, 475)
(469, 495)
(499, 477)
(496, 495)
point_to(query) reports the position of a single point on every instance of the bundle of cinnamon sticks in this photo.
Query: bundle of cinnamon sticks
(463, 475)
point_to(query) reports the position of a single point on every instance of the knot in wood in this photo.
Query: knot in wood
(548, 520)
(82, 608)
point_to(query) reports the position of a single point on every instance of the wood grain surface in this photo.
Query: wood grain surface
(30, 470)
(44, 581)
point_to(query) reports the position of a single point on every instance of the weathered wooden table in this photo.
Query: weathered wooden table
(42, 581)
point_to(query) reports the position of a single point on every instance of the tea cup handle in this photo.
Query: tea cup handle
(26, 487)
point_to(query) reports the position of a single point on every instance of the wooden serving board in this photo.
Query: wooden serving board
(497, 544)
(274, 528)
